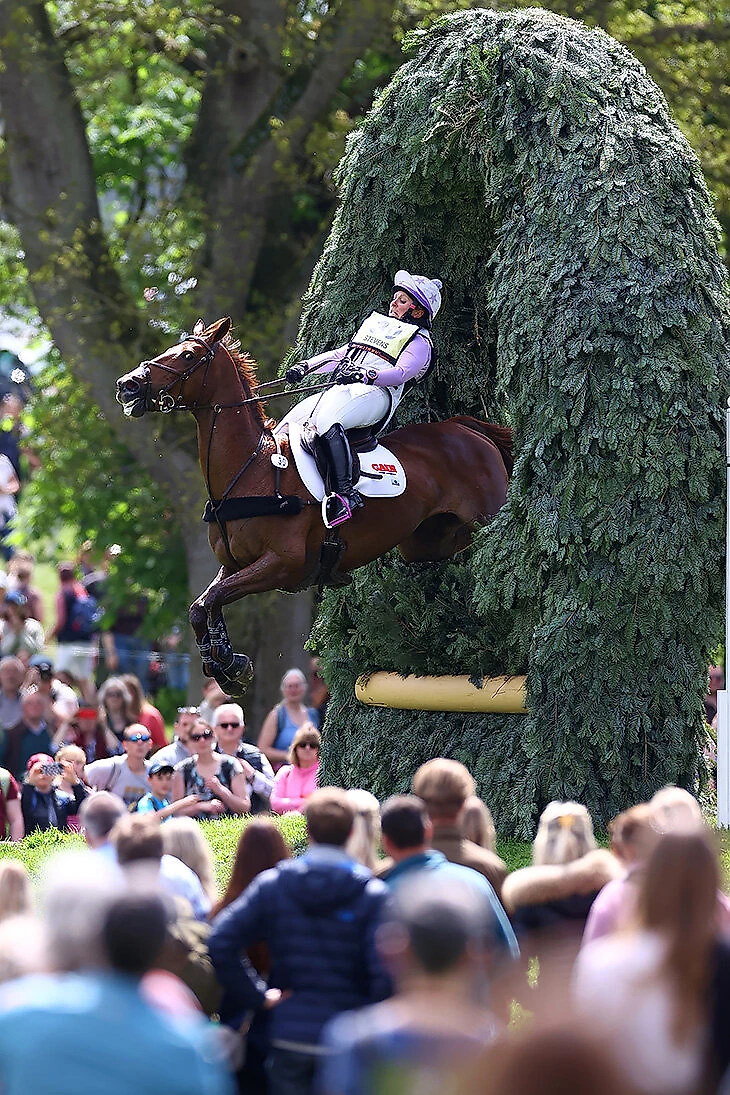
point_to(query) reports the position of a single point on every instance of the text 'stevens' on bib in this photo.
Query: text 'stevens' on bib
(387, 336)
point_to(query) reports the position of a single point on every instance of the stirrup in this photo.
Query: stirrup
(345, 510)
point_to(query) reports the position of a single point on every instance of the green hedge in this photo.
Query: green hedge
(532, 164)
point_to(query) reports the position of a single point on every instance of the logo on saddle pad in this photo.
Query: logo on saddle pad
(381, 473)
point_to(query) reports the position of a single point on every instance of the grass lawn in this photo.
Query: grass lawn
(223, 836)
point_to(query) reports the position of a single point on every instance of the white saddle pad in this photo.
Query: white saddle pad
(385, 478)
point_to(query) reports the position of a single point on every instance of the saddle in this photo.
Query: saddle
(377, 473)
(362, 440)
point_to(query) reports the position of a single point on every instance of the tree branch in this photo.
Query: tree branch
(244, 201)
(713, 30)
(50, 197)
(244, 74)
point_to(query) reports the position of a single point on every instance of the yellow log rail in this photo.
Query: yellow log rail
(505, 695)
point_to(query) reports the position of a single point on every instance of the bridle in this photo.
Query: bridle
(164, 402)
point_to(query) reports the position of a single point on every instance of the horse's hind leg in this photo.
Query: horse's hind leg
(438, 537)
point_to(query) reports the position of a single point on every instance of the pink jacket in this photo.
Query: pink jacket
(292, 786)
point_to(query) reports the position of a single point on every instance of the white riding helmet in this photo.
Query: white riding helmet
(427, 291)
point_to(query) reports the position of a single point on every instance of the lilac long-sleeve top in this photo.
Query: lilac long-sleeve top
(412, 362)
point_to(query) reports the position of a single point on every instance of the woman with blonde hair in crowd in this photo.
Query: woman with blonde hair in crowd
(477, 824)
(16, 896)
(296, 781)
(548, 903)
(115, 709)
(364, 840)
(76, 756)
(675, 809)
(182, 838)
(659, 994)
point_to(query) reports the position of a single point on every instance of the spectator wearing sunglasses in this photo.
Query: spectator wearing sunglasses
(217, 779)
(180, 748)
(229, 728)
(296, 781)
(126, 776)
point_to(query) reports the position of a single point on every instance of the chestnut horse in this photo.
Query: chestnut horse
(457, 473)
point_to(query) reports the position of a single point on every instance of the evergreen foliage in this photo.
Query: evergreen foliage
(533, 165)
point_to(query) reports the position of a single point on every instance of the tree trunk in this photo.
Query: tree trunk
(285, 626)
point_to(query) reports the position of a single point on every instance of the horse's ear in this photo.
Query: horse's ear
(219, 330)
(199, 328)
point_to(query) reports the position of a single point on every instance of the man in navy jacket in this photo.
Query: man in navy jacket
(318, 914)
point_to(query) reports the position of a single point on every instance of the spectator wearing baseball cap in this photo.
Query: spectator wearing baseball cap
(60, 700)
(21, 635)
(43, 805)
(158, 800)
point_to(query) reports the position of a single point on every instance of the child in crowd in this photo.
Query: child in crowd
(76, 757)
(159, 799)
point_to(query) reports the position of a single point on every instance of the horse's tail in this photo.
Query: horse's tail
(500, 435)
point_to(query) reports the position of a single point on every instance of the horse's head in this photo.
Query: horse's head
(157, 385)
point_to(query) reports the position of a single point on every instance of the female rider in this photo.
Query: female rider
(371, 372)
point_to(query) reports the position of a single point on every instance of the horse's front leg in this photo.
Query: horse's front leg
(232, 671)
(200, 623)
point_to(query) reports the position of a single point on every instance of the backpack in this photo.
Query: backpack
(85, 617)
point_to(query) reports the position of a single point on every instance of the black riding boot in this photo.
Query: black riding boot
(342, 498)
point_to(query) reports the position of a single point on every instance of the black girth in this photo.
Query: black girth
(262, 505)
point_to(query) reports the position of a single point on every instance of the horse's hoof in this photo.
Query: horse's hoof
(234, 678)
(236, 690)
(246, 675)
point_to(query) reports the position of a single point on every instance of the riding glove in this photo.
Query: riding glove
(296, 373)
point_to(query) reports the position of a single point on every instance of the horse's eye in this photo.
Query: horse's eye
(188, 355)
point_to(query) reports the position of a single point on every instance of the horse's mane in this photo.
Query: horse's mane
(246, 366)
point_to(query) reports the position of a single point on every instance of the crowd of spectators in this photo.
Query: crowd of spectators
(389, 957)
(392, 956)
(63, 738)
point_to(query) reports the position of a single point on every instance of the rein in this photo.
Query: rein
(165, 403)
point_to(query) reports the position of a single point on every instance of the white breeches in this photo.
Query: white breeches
(353, 405)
